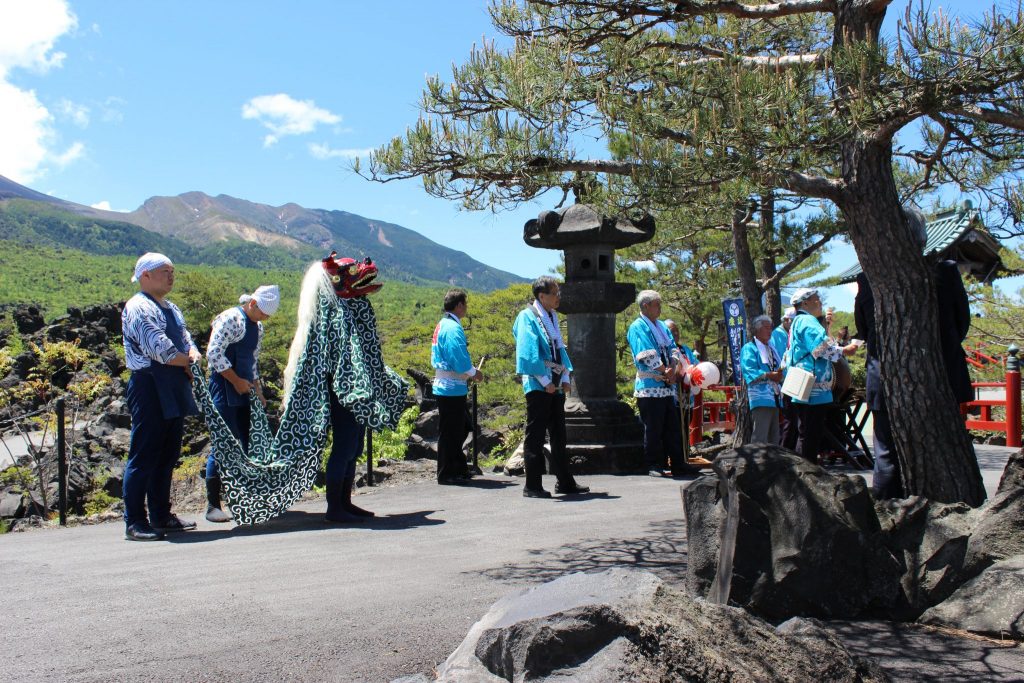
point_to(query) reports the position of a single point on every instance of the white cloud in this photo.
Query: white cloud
(72, 153)
(111, 110)
(105, 206)
(28, 32)
(283, 115)
(325, 151)
(78, 114)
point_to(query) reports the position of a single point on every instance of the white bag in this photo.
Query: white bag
(798, 383)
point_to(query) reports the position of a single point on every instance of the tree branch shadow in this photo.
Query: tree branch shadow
(660, 550)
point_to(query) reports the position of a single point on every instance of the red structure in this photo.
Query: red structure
(713, 415)
(1011, 422)
(717, 415)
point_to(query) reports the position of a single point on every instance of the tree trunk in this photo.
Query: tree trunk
(752, 303)
(936, 455)
(766, 228)
(745, 263)
(935, 451)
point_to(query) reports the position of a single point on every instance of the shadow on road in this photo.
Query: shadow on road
(300, 520)
(580, 497)
(482, 483)
(662, 550)
(910, 652)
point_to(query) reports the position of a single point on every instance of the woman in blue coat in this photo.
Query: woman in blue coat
(811, 349)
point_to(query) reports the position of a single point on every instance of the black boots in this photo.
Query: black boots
(339, 504)
(214, 513)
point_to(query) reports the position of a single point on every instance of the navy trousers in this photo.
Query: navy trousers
(811, 429)
(346, 446)
(887, 481)
(154, 451)
(663, 434)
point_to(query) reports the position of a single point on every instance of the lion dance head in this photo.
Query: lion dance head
(351, 278)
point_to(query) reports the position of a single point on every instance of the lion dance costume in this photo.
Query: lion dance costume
(336, 351)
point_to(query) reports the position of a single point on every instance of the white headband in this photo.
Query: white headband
(149, 261)
(267, 297)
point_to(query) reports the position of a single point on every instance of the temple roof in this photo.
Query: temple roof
(959, 235)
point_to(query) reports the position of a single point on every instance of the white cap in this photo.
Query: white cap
(267, 297)
(802, 295)
(790, 313)
(149, 261)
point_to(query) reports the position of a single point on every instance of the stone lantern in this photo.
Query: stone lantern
(602, 432)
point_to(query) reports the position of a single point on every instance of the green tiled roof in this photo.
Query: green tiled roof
(943, 232)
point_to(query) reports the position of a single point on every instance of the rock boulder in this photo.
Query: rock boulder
(623, 624)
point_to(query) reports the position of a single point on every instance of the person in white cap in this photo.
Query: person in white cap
(811, 349)
(158, 350)
(236, 337)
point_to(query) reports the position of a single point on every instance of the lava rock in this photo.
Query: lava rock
(624, 624)
(418, 448)
(991, 603)
(806, 541)
(28, 319)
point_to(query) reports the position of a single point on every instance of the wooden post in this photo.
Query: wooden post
(369, 457)
(697, 419)
(62, 464)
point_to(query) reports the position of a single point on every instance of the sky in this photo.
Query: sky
(109, 103)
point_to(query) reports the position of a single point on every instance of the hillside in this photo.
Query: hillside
(196, 228)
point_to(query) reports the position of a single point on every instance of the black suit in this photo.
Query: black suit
(954, 323)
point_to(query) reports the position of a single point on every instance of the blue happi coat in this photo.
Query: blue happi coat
(533, 348)
(449, 351)
(807, 336)
(780, 340)
(761, 392)
(648, 354)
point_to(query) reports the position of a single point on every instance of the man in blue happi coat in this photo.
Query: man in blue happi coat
(659, 364)
(453, 370)
(543, 363)
(158, 350)
(761, 365)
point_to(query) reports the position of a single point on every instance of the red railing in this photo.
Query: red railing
(1011, 422)
(719, 415)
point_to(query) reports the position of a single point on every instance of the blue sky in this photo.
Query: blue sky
(109, 103)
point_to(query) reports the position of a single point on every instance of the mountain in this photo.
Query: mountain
(197, 228)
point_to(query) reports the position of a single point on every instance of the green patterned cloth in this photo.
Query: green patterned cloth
(342, 346)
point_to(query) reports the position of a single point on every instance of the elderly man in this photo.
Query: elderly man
(811, 350)
(762, 373)
(158, 351)
(236, 337)
(543, 363)
(453, 369)
(658, 367)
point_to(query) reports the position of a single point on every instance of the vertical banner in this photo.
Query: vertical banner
(735, 332)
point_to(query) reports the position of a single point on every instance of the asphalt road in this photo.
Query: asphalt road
(296, 600)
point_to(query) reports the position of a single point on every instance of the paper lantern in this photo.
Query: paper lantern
(703, 375)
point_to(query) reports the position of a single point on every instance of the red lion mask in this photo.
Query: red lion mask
(351, 278)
